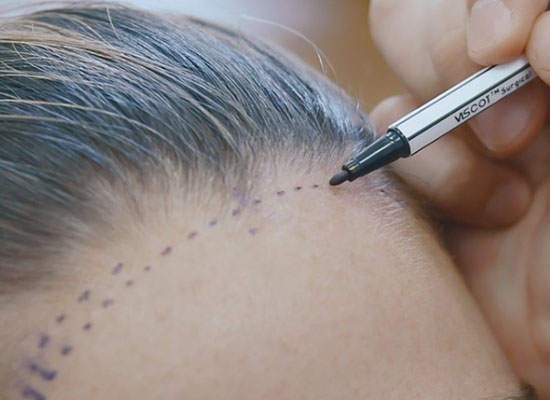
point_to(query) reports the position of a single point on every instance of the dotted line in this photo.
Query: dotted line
(86, 296)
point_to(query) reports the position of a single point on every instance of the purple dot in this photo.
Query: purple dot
(236, 212)
(107, 303)
(117, 268)
(147, 268)
(87, 326)
(43, 341)
(214, 222)
(31, 393)
(60, 318)
(47, 375)
(192, 235)
(257, 201)
(66, 350)
(315, 186)
(85, 296)
(129, 283)
(166, 251)
(254, 231)
(298, 188)
(281, 193)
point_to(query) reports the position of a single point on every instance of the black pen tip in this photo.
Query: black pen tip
(339, 178)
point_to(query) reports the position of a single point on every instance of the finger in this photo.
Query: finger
(513, 124)
(462, 184)
(406, 49)
(537, 48)
(391, 110)
(534, 162)
(447, 42)
(510, 126)
(427, 47)
(498, 30)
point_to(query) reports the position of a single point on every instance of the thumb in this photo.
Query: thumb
(498, 30)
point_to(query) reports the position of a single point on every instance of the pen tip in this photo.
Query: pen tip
(339, 178)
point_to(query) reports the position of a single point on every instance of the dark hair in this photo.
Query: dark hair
(103, 96)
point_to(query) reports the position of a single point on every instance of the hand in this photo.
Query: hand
(489, 181)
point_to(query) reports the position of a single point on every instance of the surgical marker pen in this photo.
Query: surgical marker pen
(440, 116)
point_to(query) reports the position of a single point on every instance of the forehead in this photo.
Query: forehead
(265, 299)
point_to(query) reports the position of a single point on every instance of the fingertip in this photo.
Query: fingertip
(537, 48)
(390, 110)
(489, 22)
(498, 30)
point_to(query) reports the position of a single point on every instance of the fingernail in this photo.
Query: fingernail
(508, 202)
(502, 125)
(489, 19)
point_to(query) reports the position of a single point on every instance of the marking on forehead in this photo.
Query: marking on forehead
(29, 392)
(85, 296)
(107, 303)
(66, 350)
(117, 268)
(45, 374)
(43, 341)
(402, 203)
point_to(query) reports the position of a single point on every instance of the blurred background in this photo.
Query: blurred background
(337, 28)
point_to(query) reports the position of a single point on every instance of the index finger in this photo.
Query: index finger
(424, 42)
(498, 30)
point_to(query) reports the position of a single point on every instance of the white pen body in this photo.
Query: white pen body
(463, 102)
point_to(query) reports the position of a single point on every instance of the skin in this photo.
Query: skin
(489, 181)
(301, 296)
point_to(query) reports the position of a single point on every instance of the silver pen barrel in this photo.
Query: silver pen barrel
(463, 102)
(440, 116)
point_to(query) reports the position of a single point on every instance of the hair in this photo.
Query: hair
(101, 96)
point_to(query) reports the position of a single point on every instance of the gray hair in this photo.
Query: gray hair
(106, 94)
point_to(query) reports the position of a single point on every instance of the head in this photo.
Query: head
(167, 229)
